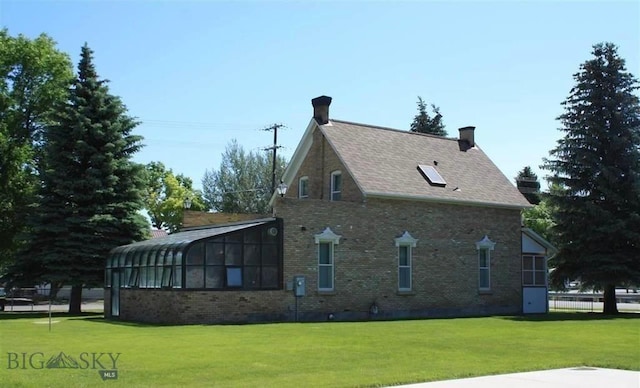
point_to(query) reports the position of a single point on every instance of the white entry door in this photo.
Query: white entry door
(534, 300)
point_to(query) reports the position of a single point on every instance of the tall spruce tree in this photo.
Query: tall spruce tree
(596, 171)
(424, 123)
(91, 191)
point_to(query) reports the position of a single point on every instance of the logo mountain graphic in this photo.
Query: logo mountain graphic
(62, 361)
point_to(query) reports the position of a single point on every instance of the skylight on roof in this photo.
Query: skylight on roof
(432, 175)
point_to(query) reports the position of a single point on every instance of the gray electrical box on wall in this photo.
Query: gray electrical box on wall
(299, 285)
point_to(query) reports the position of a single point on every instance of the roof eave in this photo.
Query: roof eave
(298, 157)
(342, 161)
(162, 241)
(552, 250)
(451, 201)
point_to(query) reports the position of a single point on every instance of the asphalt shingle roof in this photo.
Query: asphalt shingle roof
(158, 233)
(384, 162)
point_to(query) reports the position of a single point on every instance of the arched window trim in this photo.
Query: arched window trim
(406, 239)
(326, 265)
(405, 245)
(484, 247)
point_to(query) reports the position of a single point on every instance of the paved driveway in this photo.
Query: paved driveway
(579, 377)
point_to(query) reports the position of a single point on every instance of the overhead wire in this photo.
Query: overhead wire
(198, 125)
(193, 125)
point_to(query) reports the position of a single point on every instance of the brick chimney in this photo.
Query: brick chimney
(466, 134)
(321, 109)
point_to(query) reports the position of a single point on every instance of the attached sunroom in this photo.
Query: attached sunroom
(243, 256)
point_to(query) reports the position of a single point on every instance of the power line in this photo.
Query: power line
(240, 191)
(197, 125)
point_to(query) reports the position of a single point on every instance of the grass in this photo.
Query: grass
(315, 354)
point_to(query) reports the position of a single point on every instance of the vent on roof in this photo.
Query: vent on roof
(432, 175)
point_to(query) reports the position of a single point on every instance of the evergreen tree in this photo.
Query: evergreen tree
(528, 184)
(91, 191)
(596, 170)
(424, 123)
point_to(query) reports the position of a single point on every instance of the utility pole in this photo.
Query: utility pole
(275, 146)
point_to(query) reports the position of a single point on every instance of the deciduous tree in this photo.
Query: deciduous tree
(166, 195)
(540, 220)
(242, 184)
(34, 75)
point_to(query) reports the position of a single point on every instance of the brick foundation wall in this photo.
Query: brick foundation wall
(201, 307)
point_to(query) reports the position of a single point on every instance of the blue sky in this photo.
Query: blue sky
(200, 73)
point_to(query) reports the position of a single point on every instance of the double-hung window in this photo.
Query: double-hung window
(484, 269)
(405, 245)
(325, 265)
(326, 242)
(484, 247)
(336, 185)
(404, 268)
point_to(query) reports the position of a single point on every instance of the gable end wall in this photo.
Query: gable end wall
(320, 162)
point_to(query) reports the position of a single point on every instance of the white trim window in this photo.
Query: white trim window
(484, 269)
(303, 187)
(534, 270)
(326, 242)
(405, 245)
(484, 247)
(325, 266)
(336, 185)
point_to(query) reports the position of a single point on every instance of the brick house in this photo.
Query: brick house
(376, 223)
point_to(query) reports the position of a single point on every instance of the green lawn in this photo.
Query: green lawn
(310, 354)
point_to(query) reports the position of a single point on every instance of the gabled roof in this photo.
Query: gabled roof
(384, 163)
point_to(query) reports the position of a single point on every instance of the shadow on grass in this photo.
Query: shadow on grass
(550, 317)
(103, 320)
(98, 317)
(571, 316)
(41, 314)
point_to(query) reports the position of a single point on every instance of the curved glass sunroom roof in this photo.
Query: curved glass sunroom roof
(246, 255)
(183, 239)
